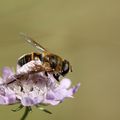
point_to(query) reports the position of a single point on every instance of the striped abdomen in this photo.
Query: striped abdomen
(29, 57)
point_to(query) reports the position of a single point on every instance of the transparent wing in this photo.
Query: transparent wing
(32, 42)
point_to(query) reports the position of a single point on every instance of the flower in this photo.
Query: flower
(33, 88)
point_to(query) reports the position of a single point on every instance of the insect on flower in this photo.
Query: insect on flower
(34, 81)
(50, 62)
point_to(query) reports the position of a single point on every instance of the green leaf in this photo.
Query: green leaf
(45, 110)
(17, 109)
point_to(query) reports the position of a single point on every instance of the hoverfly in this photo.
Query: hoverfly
(49, 61)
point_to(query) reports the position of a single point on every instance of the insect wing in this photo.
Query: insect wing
(33, 42)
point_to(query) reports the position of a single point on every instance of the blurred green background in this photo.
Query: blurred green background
(86, 32)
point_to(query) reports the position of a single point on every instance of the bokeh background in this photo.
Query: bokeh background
(87, 33)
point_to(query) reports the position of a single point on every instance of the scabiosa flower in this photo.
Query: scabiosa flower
(31, 88)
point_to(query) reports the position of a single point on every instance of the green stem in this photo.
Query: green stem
(27, 110)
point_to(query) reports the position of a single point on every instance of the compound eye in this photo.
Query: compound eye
(65, 67)
(53, 61)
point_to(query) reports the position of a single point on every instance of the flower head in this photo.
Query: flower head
(28, 88)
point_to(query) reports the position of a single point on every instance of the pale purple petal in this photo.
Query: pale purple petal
(65, 83)
(50, 98)
(3, 100)
(2, 90)
(50, 95)
(60, 94)
(73, 90)
(27, 101)
(1, 81)
(7, 72)
(7, 96)
(51, 102)
(11, 98)
(57, 95)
